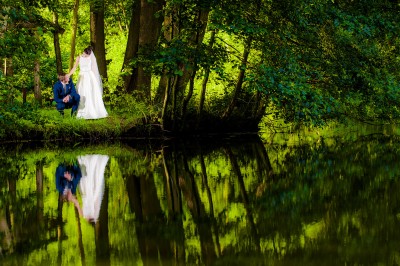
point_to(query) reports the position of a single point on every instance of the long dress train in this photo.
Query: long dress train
(89, 86)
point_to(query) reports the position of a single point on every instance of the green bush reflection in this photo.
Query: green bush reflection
(330, 202)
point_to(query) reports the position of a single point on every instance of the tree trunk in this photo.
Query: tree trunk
(24, 95)
(39, 194)
(188, 97)
(133, 189)
(214, 223)
(190, 92)
(8, 68)
(259, 106)
(7, 240)
(97, 37)
(150, 27)
(169, 106)
(240, 79)
(60, 226)
(201, 16)
(170, 30)
(245, 197)
(56, 40)
(173, 112)
(74, 27)
(165, 103)
(80, 239)
(36, 88)
(205, 81)
(197, 39)
(132, 49)
(179, 103)
(192, 196)
(124, 18)
(102, 239)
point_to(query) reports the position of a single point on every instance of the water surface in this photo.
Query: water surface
(229, 201)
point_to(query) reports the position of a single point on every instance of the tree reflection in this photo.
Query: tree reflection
(181, 203)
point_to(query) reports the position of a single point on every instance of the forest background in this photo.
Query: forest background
(201, 65)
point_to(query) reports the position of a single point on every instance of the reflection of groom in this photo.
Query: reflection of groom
(65, 94)
(67, 178)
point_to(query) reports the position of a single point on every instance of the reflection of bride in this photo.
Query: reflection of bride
(91, 185)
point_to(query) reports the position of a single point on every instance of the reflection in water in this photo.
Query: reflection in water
(67, 180)
(91, 186)
(227, 204)
(87, 173)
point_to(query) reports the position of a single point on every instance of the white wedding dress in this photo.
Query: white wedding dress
(91, 185)
(90, 88)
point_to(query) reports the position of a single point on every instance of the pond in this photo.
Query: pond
(213, 201)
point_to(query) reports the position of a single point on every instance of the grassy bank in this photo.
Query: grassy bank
(128, 119)
(48, 124)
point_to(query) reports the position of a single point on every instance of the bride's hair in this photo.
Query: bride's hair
(88, 50)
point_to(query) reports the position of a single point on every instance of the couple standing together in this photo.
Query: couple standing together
(86, 100)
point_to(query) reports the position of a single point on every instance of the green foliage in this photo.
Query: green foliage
(22, 116)
(313, 61)
(127, 107)
(328, 59)
(293, 97)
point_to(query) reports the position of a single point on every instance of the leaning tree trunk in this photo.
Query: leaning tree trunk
(239, 83)
(201, 16)
(204, 83)
(197, 39)
(97, 37)
(245, 197)
(189, 94)
(130, 81)
(259, 106)
(150, 27)
(167, 84)
(170, 29)
(179, 102)
(36, 80)
(57, 49)
(73, 34)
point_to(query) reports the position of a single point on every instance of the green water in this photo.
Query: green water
(215, 201)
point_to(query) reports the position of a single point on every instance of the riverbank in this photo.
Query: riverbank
(48, 125)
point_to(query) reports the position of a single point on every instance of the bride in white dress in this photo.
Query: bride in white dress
(89, 87)
(92, 184)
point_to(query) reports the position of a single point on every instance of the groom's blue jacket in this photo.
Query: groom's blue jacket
(59, 93)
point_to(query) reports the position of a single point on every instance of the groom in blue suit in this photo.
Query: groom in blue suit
(65, 94)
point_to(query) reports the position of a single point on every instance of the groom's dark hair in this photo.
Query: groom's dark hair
(61, 75)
